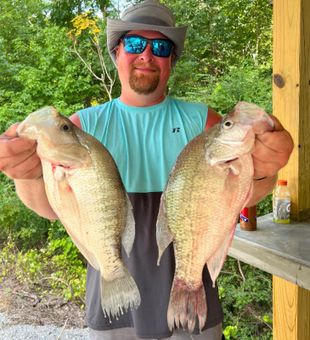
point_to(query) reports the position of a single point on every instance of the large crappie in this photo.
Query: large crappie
(85, 190)
(207, 188)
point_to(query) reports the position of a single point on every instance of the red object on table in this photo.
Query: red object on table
(248, 218)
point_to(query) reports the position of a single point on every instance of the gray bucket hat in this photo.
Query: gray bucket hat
(148, 15)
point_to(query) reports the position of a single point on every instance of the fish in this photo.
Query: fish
(207, 188)
(84, 188)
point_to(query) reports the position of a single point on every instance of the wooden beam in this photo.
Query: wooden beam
(291, 94)
(291, 311)
(291, 104)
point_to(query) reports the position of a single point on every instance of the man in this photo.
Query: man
(145, 131)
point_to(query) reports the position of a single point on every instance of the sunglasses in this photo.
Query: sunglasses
(135, 44)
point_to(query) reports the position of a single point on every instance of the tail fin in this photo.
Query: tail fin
(185, 305)
(119, 295)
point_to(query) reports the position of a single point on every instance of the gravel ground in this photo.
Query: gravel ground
(34, 332)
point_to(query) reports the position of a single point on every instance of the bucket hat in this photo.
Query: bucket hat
(148, 15)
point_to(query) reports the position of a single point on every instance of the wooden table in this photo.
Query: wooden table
(284, 252)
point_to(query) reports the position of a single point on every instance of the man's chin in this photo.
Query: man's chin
(143, 90)
(144, 86)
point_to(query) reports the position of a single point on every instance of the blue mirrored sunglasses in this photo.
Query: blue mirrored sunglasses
(135, 44)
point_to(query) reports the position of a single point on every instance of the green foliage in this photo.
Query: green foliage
(265, 206)
(39, 67)
(28, 266)
(57, 266)
(221, 34)
(54, 78)
(38, 252)
(245, 293)
(224, 33)
(88, 34)
(17, 223)
(230, 332)
(227, 58)
(68, 268)
(62, 12)
(246, 83)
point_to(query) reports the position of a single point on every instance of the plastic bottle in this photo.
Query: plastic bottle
(248, 218)
(281, 203)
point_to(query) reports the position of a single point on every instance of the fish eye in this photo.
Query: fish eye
(227, 124)
(65, 127)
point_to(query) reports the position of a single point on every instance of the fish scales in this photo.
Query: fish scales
(85, 190)
(191, 204)
(101, 213)
(208, 186)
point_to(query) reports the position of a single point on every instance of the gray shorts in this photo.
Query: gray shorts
(213, 333)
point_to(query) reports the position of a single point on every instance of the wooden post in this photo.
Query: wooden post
(291, 104)
(291, 94)
(291, 311)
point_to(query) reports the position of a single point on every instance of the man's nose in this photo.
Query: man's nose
(147, 54)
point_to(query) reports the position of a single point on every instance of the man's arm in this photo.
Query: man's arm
(32, 193)
(271, 153)
(20, 162)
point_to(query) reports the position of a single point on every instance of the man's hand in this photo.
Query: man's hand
(18, 157)
(272, 151)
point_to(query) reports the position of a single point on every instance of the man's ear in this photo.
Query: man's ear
(173, 57)
(116, 51)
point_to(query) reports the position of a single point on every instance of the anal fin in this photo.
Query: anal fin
(216, 261)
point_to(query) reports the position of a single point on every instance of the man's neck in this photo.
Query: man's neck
(134, 99)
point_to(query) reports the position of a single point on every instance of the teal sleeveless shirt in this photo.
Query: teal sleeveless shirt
(145, 143)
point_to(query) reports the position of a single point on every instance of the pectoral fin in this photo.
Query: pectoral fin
(163, 234)
(216, 261)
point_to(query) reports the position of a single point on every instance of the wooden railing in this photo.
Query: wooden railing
(284, 252)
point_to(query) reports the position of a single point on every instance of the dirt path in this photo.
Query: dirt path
(25, 307)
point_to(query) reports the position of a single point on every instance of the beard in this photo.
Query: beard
(143, 83)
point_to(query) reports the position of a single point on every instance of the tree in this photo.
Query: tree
(38, 65)
(221, 34)
(85, 25)
(63, 11)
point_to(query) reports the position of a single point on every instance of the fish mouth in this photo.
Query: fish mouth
(230, 160)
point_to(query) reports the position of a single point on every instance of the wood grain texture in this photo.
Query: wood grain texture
(291, 311)
(291, 103)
